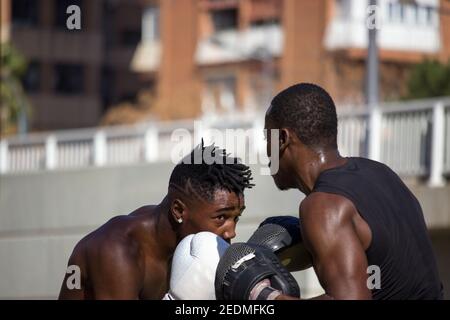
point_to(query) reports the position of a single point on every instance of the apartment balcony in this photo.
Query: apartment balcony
(231, 46)
(401, 28)
(147, 57)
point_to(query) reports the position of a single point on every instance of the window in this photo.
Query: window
(343, 8)
(430, 14)
(421, 16)
(391, 11)
(69, 78)
(224, 19)
(32, 79)
(107, 87)
(396, 12)
(25, 12)
(416, 14)
(61, 14)
(220, 94)
(262, 86)
(130, 38)
(265, 22)
(402, 12)
(410, 13)
(150, 24)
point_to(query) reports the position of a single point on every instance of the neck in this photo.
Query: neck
(165, 235)
(309, 170)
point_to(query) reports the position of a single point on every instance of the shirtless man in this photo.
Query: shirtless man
(129, 257)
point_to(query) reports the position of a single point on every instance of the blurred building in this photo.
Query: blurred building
(74, 75)
(228, 56)
(212, 56)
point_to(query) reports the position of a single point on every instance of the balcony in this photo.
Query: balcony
(147, 57)
(405, 28)
(230, 46)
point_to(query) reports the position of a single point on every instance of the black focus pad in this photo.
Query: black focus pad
(243, 265)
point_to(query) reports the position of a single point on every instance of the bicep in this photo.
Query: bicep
(338, 256)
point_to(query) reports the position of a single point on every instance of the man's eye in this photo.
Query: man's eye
(221, 217)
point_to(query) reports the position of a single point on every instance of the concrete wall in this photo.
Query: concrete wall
(43, 215)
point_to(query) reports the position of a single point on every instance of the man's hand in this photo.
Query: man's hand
(243, 270)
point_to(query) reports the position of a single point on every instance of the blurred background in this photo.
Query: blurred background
(87, 114)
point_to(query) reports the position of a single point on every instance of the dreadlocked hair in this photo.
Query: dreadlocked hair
(207, 169)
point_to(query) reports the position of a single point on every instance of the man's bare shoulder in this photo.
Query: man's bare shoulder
(118, 236)
(323, 206)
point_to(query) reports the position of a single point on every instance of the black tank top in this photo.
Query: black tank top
(400, 243)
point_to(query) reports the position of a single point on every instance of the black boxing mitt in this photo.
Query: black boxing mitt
(245, 266)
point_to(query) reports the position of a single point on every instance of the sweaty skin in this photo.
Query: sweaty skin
(333, 231)
(337, 238)
(129, 257)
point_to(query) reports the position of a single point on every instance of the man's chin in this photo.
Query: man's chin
(281, 186)
(284, 187)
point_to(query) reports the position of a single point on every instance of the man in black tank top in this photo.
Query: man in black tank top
(363, 227)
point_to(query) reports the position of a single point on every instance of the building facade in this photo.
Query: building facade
(228, 56)
(74, 75)
(213, 57)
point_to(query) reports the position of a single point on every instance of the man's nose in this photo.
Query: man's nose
(230, 233)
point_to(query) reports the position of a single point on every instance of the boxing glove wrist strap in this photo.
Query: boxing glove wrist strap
(263, 291)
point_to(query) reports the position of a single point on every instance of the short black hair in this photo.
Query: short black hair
(194, 174)
(309, 111)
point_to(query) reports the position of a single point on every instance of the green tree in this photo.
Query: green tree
(13, 100)
(429, 79)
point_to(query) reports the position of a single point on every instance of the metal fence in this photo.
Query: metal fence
(413, 138)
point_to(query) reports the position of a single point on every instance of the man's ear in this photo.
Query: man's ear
(178, 210)
(284, 139)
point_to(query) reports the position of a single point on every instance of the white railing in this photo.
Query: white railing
(413, 138)
(406, 140)
(352, 131)
(447, 142)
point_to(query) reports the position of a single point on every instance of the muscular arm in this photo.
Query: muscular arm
(338, 255)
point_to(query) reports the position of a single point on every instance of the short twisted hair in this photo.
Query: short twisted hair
(194, 174)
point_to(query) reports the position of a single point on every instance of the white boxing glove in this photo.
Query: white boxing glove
(194, 267)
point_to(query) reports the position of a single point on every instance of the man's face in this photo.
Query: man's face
(219, 216)
(282, 177)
